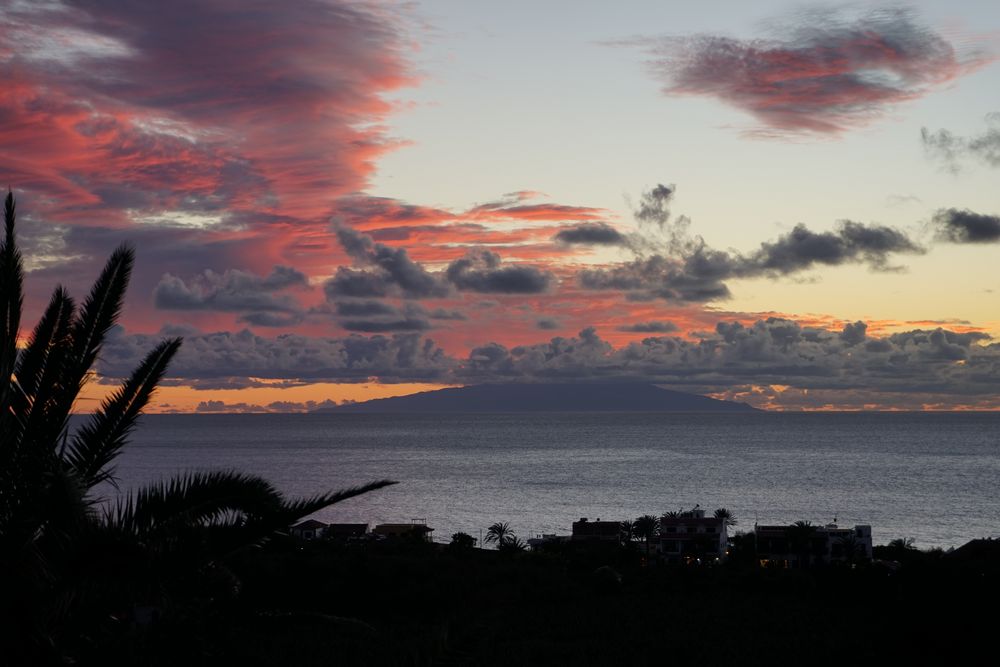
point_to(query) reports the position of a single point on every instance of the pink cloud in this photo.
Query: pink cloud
(824, 75)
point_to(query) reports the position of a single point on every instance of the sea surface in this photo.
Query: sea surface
(930, 476)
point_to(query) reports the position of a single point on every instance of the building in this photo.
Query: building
(539, 542)
(310, 529)
(597, 530)
(692, 537)
(346, 532)
(804, 545)
(981, 556)
(399, 531)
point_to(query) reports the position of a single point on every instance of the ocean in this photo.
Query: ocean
(932, 477)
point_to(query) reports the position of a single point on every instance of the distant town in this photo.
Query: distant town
(688, 537)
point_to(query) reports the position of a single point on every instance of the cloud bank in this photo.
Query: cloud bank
(956, 367)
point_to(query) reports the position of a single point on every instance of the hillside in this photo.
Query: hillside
(615, 397)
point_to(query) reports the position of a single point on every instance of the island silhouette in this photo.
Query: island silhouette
(548, 397)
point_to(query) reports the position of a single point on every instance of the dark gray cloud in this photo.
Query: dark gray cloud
(674, 265)
(481, 271)
(547, 323)
(952, 149)
(649, 327)
(963, 226)
(850, 243)
(391, 268)
(446, 314)
(393, 273)
(267, 319)
(354, 283)
(236, 291)
(386, 325)
(854, 333)
(591, 233)
(365, 308)
(404, 357)
(373, 316)
(823, 72)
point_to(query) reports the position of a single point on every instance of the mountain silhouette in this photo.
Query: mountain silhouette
(561, 397)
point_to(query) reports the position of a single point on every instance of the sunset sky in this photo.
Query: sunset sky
(785, 204)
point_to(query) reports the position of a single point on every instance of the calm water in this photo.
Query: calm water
(933, 477)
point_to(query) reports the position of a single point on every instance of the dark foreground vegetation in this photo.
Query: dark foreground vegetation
(78, 575)
(406, 603)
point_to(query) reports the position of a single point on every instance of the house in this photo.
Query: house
(802, 545)
(597, 530)
(692, 537)
(539, 542)
(399, 531)
(982, 556)
(346, 532)
(310, 529)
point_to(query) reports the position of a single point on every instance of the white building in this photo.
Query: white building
(692, 537)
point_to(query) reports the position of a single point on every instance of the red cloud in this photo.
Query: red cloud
(197, 106)
(823, 75)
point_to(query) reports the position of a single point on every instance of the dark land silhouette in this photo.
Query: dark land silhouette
(548, 397)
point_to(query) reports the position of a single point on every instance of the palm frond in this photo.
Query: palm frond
(98, 313)
(11, 301)
(102, 307)
(34, 359)
(296, 509)
(46, 421)
(194, 498)
(100, 440)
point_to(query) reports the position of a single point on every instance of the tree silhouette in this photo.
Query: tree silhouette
(626, 532)
(902, 544)
(726, 516)
(512, 544)
(70, 567)
(800, 537)
(463, 541)
(499, 533)
(851, 547)
(646, 528)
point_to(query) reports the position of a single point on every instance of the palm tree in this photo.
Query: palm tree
(851, 547)
(646, 528)
(70, 564)
(626, 532)
(726, 516)
(800, 537)
(512, 544)
(499, 533)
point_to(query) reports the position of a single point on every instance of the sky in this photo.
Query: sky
(792, 205)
